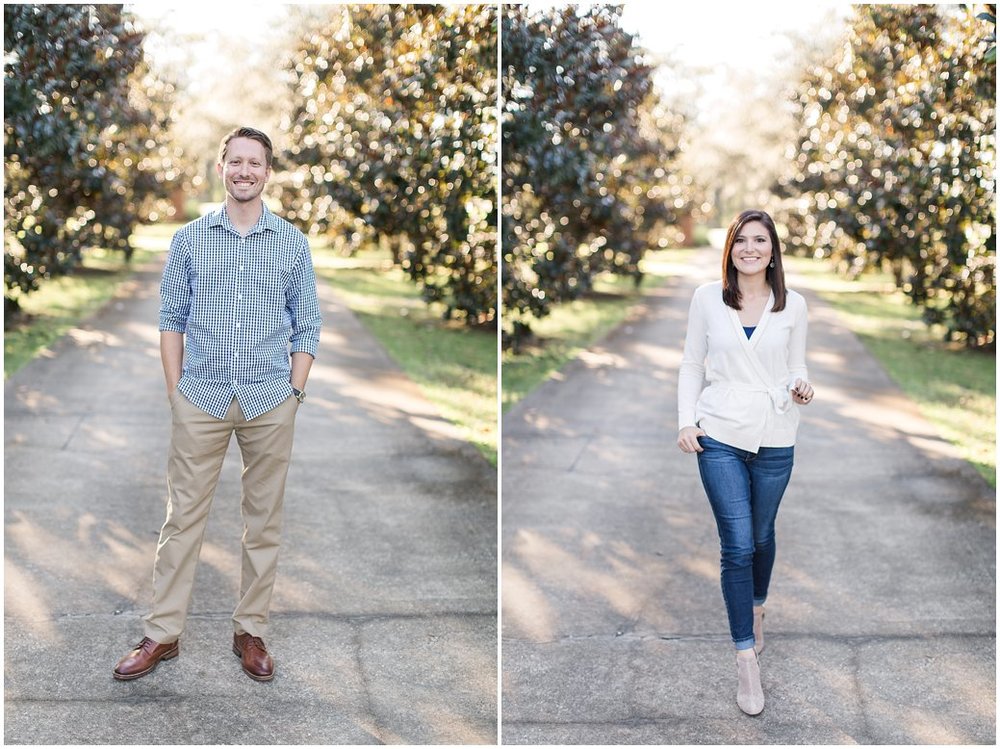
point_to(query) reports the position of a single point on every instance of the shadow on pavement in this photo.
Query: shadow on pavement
(384, 616)
(881, 619)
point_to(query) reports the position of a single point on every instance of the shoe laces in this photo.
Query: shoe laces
(255, 642)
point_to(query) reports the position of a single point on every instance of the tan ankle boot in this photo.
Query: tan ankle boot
(758, 629)
(749, 693)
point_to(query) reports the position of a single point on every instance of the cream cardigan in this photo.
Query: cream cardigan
(747, 402)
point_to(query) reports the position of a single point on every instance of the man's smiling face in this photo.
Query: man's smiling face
(244, 169)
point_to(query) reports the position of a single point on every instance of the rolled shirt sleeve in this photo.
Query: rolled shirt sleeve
(303, 305)
(175, 287)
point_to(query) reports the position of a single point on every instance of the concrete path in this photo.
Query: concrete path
(384, 617)
(881, 620)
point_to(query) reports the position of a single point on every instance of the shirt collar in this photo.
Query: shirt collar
(267, 220)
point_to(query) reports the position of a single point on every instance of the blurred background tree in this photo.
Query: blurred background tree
(85, 139)
(98, 138)
(393, 136)
(589, 175)
(893, 164)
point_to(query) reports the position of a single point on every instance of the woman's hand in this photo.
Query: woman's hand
(687, 439)
(802, 392)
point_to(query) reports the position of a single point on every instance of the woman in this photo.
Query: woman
(747, 338)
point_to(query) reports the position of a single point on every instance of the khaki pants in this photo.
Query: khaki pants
(198, 446)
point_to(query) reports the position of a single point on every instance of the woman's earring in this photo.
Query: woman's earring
(772, 263)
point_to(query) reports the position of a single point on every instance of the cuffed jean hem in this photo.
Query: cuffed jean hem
(759, 601)
(744, 644)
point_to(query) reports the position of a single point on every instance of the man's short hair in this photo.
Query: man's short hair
(252, 134)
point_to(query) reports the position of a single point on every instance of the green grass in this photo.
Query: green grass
(575, 326)
(954, 388)
(454, 366)
(62, 303)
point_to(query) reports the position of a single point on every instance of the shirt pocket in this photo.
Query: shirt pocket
(269, 280)
(270, 268)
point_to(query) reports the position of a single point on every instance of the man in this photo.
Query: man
(238, 292)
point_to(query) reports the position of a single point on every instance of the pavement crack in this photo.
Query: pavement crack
(72, 432)
(576, 460)
(850, 640)
(289, 615)
(369, 703)
(863, 706)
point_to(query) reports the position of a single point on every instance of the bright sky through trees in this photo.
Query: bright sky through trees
(714, 41)
(745, 35)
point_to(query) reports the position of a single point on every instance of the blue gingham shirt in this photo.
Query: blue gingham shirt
(243, 303)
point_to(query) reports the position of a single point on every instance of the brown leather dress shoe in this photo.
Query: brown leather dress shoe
(144, 657)
(257, 664)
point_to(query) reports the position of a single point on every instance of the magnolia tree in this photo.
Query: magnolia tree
(84, 131)
(588, 157)
(893, 165)
(394, 136)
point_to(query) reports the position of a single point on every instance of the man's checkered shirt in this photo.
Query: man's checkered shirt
(240, 301)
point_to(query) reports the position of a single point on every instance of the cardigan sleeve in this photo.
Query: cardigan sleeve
(691, 378)
(797, 344)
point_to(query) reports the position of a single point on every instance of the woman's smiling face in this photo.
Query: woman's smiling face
(752, 249)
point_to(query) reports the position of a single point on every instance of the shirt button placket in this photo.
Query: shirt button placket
(237, 339)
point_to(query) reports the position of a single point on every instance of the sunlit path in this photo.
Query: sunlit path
(881, 619)
(384, 617)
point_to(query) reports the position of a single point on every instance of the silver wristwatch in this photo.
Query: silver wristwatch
(300, 395)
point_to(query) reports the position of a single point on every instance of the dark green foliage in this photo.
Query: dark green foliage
(394, 137)
(990, 16)
(587, 157)
(79, 138)
(894, 164)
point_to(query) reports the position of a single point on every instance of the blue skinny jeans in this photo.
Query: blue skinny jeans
(744, 489)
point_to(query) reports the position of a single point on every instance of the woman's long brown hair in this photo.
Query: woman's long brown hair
(730, 276)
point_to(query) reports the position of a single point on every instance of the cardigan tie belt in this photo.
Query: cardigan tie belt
(781, 400)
